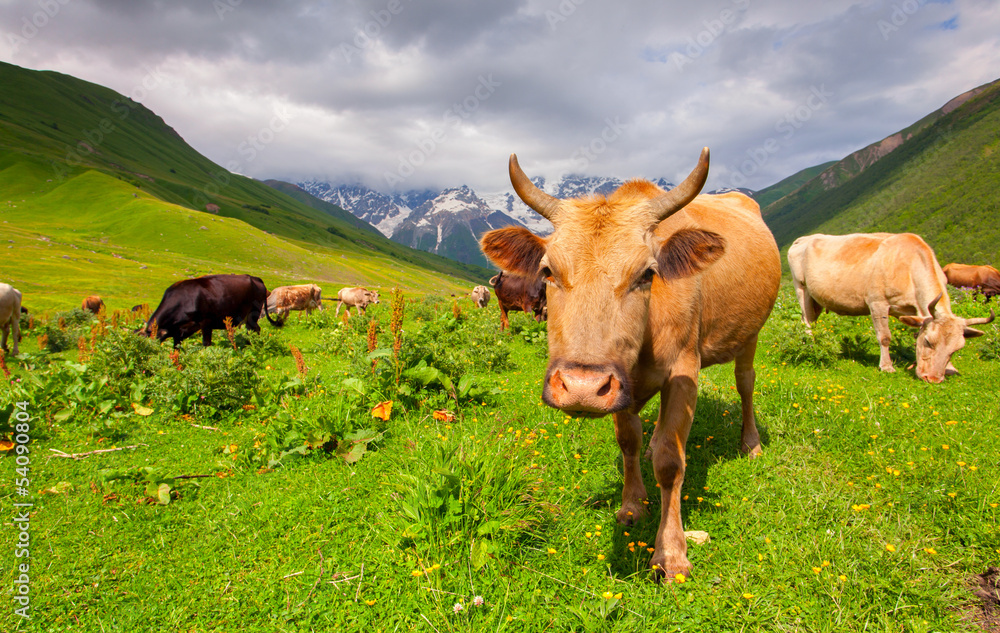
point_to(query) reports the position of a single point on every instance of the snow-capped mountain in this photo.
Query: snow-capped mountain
(450, 222)
(450, 225)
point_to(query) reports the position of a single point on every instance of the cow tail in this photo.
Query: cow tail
(267, 313)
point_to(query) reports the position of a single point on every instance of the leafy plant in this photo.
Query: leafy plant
(466, 498)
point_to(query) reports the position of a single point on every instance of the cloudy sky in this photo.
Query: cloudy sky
(405, 94)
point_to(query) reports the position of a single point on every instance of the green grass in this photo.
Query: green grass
(854, 460)
(68, 240)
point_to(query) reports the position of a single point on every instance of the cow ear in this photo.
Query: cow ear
(514, 249)
(969, 332)
(915, 321)
(689, 251)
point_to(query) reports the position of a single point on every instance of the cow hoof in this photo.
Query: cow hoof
(649, 453)
(630, 513)
(751, 452)
(889, 370)
(665, 572)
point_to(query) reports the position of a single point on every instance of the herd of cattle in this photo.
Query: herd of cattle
(641, 290)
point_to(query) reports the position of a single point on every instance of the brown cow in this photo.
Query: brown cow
(645, 288)
(480, 296)
(92, 303)
(882, 274)
(359, 298)
(516, 293)
(10, 316)
(284, 299)
(985, 279)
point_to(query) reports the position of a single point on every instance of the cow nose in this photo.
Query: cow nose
(585, 389)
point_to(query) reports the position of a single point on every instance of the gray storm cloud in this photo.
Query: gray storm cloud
(437, 93)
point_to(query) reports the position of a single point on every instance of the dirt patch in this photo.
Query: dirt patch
(986, 587)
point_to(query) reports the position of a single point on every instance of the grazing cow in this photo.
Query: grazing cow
(10, 316)
(985, 279)
(139, 307)
(284, 299)
(882, 274)
(516, 293)
(359, 298)
(480, 296)
(644, 289)
(92, 303)
(203, 303)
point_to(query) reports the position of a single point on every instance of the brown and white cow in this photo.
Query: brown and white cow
(10, 316)
(985, 279)
(284, 299)
(517, 293)
(645, 288)
(480, 296)
(882, 274)
(359, 298)
(93, 303)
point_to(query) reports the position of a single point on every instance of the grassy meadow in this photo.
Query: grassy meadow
(264, 484)
(95, 234)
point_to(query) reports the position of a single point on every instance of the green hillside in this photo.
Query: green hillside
(84, 170)
(941, 183)
(779, 190)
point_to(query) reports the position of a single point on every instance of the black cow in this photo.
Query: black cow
(519, 294)
(203, 303)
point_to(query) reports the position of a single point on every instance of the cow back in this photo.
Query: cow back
(728, 302)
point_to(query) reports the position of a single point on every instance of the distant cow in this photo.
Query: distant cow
(284, 299)
(204, 302)
(882, 274)
(481, 296)
(359, 298)
(92, 303)
(519, 294)
(10, 315)
(985, 279)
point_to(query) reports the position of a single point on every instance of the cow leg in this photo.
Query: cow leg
(880, 319)
(628, 432)
(668, 444)
(3, 338)
(337, 312)
(745, 378)
(206, 334)
(809, 309)
(252, 324)
(504, 321)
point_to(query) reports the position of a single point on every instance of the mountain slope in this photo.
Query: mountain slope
(779, 190)
(55, 128)
(940, 183)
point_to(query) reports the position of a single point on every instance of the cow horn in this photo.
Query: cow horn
(981, 320)
(674, 200)
(544, 204)
(930, 306)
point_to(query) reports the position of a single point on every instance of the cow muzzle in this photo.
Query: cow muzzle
(593, 390)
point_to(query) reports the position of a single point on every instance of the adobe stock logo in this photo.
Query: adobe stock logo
(33, 24)
(453, 118)
(787, 126)
(703, 40)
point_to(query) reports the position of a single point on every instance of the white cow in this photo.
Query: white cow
(882, 274)
(10, 315)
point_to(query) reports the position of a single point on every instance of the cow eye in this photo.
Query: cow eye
(547, 274)
(648, 275)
